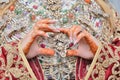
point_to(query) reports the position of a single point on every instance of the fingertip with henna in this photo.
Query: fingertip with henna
(72, 53)
(46, 51)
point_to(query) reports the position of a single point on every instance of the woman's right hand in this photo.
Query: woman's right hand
(29, 43)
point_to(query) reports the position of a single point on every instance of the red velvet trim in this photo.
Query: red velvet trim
(77, 68)
(81, 68)
(39, 67)
(36, 69)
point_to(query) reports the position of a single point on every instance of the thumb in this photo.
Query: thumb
(72, 53)
(46, 51)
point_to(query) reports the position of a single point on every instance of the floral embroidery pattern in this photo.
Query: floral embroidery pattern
(11, 65)
(107, 66)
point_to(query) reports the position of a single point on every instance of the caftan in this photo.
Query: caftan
(105, 65)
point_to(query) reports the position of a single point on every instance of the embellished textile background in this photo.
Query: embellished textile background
(96, 17)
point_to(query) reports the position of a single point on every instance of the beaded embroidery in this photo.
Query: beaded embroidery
(89, 16)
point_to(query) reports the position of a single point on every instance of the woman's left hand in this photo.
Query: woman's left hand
(80, 36)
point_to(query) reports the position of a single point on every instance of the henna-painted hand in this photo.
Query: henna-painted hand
(29, 43)
(87, 43)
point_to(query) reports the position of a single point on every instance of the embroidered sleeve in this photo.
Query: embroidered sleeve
(12, 66)
(107, 66)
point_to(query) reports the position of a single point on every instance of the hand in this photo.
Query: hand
(29, 43)
(87, 44)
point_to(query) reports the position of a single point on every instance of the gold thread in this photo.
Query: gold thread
(93, 62)
(2, 11)
(107, 9)
(26, 62)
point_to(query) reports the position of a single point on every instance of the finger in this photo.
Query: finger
(76, 33)
(79, 37)
(47, 28)
(47, 21)
(42, 33)
(71, 33)
(72, 53)
(64, 30)
(46, 51)
(42, 26)
(53, 29)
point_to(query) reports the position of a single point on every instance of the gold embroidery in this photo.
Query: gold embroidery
(6, 6)
(17, 71)
(105, 60)
(0, 51)
(2, 63)
(26, 63)
(9, 60)
(25, 77)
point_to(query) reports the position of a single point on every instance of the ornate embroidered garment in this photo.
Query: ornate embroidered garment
(12, 66)
(94, 16)
(105, 65)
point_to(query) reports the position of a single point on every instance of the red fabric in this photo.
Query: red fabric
(10, 64)
(34, 63)
(116, 42)
(109, 75)
(81, 68)
(81, 65)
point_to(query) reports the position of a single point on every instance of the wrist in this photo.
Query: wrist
(27, 42)
(91, 41)
(31, 34)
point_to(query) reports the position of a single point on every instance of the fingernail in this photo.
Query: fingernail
(47, 35)
(53, 21)
(57, 30)
(52, 27)
(75, 42)
(74, 38)
(71, 39)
